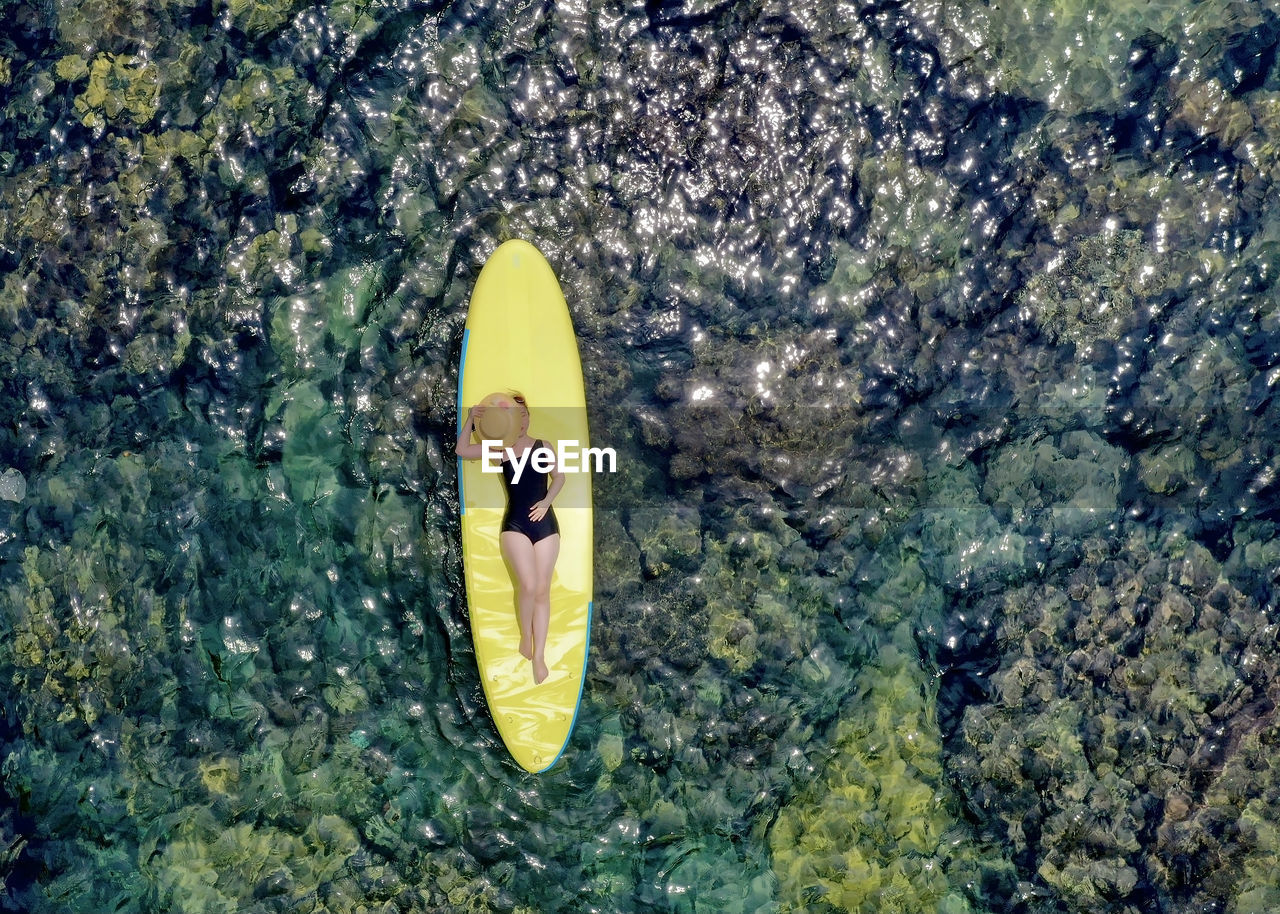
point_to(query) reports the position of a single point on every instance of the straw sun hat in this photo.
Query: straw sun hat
(503, 418)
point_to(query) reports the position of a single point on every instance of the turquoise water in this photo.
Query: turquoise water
(938, 344)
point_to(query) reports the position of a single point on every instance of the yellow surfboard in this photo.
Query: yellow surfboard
(519, 337)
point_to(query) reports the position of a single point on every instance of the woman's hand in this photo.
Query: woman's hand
(466, 448)
(539, 509)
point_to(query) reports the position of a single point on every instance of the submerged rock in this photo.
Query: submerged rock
(1157, 673)
(13, 485)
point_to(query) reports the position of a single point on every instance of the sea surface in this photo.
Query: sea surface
(938, 341)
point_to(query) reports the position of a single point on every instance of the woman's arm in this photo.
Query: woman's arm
(540, 508)
(466, 448)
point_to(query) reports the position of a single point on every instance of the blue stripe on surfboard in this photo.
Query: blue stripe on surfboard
(462, 366)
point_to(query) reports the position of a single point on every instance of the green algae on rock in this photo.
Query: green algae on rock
(877, 830)
(119, 87)
(1161, 662)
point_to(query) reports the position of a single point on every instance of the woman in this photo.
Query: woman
(530, 535)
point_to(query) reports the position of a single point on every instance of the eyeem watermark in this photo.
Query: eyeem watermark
(567, 456)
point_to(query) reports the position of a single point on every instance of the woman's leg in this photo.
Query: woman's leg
(545, 551)
(519, 553)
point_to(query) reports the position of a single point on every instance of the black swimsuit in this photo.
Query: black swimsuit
(521, 496)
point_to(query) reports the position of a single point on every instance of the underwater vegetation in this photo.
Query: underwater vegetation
(938, 343)
(878, 831)
(1144, 747)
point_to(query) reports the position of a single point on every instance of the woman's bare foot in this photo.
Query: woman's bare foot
(540, 671)
(526, 647)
